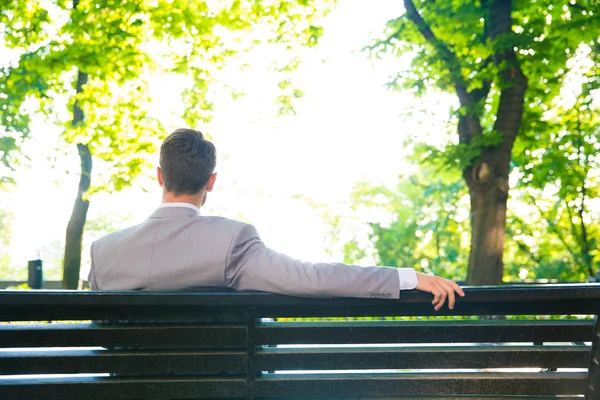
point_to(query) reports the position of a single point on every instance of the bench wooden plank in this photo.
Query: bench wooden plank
(118, 388)
(72, 335)
(433, 357)
(308, 385)
(386, 308)
(150, 362)
(358, 332)
(494, 300)
(270, 359)
(183, 347)
(414, 384)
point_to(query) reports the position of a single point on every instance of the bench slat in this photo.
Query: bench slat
(72, 335)
(270, 359)
(409, 384)
(433, 357)
(124, 362)
(117, 388)
(365, 308)
(185, 347)
(357, 332)
(495, 300)
(280, 385)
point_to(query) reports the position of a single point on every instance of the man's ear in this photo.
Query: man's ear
(211, 182)
(159, 176)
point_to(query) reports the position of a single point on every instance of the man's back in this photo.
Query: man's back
(174, 249)
(177, 249)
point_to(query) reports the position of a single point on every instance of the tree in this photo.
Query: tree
(422, 224)
(96, 53)
(552, 215)
(505, 61)
(560, 179)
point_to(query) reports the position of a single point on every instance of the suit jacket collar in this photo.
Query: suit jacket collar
(173, 212)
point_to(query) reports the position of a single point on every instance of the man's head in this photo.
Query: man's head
(187, 163)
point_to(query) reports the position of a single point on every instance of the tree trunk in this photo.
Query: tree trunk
(488, 193)
(74, 236)
(488, 178)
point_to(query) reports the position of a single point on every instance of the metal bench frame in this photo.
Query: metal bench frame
(213, 345)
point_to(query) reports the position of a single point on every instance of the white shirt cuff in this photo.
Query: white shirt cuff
(408, 278)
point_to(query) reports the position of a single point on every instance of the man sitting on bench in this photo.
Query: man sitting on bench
(176, 248)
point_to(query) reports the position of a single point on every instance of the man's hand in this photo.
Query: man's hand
(440, 288)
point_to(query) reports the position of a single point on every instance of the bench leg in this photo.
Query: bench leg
(250, 353)
(593, 382)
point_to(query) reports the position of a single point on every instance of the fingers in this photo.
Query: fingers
(442, 296)
(443, 289)
(457, 288)
(437, 293)
(450, 291)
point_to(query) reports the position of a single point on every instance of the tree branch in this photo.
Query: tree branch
(447, 55)
(482, 93)
(471, 125)
(512, 97)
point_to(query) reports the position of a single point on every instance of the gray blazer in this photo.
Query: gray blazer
(177, 249)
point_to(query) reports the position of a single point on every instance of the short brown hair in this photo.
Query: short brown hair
(187, 161)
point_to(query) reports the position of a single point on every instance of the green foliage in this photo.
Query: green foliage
(427, 230)
(85, 65)
(104, 40)
(456, 23)
(546, 35)
(553, 202)
(117, 44)
(24, 286)
(552, 223)
(560, 178)
(426, 227)
(453, 157)
(419, 223)
(424, 224)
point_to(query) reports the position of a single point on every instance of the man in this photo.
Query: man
(177, 248)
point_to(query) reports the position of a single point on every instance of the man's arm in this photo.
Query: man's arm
(253, 266)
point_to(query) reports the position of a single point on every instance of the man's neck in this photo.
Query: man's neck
(194, 199)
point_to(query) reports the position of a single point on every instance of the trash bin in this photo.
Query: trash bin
(35, 274)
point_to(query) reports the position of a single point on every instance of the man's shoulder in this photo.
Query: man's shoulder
(116, 236)
(222, 225)
(229, 227)
(220, 220)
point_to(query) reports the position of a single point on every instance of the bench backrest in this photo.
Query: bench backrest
(221, 345)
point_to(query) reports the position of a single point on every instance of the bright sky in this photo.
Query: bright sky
(347, 128)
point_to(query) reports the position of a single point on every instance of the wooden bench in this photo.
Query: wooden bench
(215, 346)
